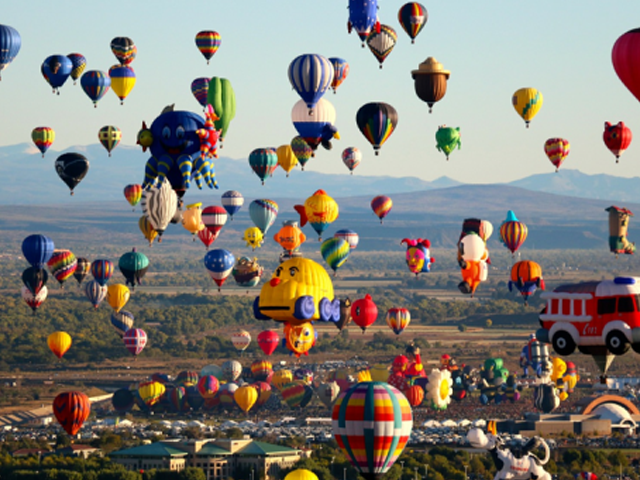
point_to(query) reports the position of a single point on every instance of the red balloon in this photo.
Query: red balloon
(268, 341)
(398, 380)
(415, 395)
(626, 60)
(364, 312)
(71, 409)
(207, 237)
(617, 138)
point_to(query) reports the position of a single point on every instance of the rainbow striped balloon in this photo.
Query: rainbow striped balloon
(557, 150)
(398, 319)
(208, 42)
(133, 194)
(377, 121)
(200, 89)
(513, 233)
(208, 386)
(102, 270)
(301, 150)
(43, 137)
(381, 206)
(372, 422)
(62, 265)
(296, 394)
(335, 252)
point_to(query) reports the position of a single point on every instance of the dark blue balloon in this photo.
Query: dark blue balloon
(37, 250)
(194, 399)
(56, 69)
(219, 261)
(10, 43)
(363, 15)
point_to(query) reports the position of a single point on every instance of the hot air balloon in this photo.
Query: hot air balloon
(418, 256)
(95, 292)
(231, 370)
(301, 474)
(187, 378)
(263, 213)
(526, 277)
(513, 233)
(135, 339)
(377, 121)
(281, 378)
(72, 168)
(177, 397)
(241, 340)
(586, 476)
(296, 394)
(83, 268)
(78, 64)
(381, 41)
(147, 229)
(245, 397)
(102, 270)
(263, 161)
(122, 400)
(350, 236)
(430, 81)
(264, 392)
(254, 237)
(109, 137)
(124, 49)
(37, 250)
(159, 205)
(192, 219)
(372, 423)
(413, 17)
(200, 89)
(335, 252)
(340, 72)
(363, 16)
(268, 341)
(290, 237)
(59, 343)
(328, 393)
(232, 202)
(150, 392)
(557, 150)
(62, 264)
(71, 409)
(617, 138)
(56, 69)
(133, 194)
(225, 394)
(223, 100)
(316, 127)
(34, 279)
(207, 237)
(364, 312)
(247, 272)
(320, 210)
(310, 76)
(262, 370)
(527, 102)
(301, 150)
(208, 43)
(43, 138)
(624, 57)
(351, 157)
(398, 319)
(300, 338)
(214, 218)
(286, 158)
(447, 139)
(618, 227)
(10, 43)
(381, 206)
(117, 296)
(122, 321)
(219, 263)
(123, 79)
(208, 386)
(95, 84)
(34, 301)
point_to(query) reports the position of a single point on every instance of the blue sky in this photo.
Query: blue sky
(491, 48)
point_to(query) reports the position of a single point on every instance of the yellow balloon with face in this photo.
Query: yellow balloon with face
(254, 237)
(300, 338)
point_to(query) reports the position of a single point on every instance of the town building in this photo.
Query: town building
(219, 458)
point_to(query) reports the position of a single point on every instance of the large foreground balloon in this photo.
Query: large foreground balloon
(72, 168)
(208, 42)
(377, 121)
(617, 138)
(557, 150)
(59, 343)
(430, 81)
(413, 17)
(10, 43)
(625, 57)
(71, 409)
(372, 423)
(43, 138)
(95, 84)
(310, 76)
(381, 41)
(527, 102)
(219, 263)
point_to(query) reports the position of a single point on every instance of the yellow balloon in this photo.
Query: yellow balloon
(281, 378)
(150, 392)
(301, 474)
(117, 296)
(254, 237)
(559, 369)
(527, 102)
(192, 218)
(59, 343)
(122, 82)
(364, 376)
(319, 210)
(246, 397)
(147, 229)
(286, 158)
(379, 373)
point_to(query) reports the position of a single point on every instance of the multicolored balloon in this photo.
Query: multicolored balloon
(413, 17)
(71, 409)
(513, 232)
(320, 210)
(102, 270)
(527, 102)
(43, 138)
(95, 292)
(135, 339)
(109, 137)
(241, 340)
(208, 42)
(62, 265)
(617, 138)
(263, 213)
(381, 42)
(34, 301)
(340, 72)
(219, 263)
(34, 279)
(350, 236)
(351, 157)
(133, 194)
(95, 84)
(418, 256)
(200, 90)
(301, 150)
(123, 79)
(381, 206)
(398, 319)
(263, 161)
(557, 150)
(335, 252)
(82, 269)
(124, 49)
(377, 121)
(78, 64)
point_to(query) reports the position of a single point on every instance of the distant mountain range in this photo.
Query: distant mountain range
(28, 179)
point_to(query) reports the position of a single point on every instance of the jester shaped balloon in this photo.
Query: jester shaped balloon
(418, 257)
(177, 151)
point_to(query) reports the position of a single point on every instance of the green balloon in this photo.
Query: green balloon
(133, 266)
(223, 100)
(447, 139)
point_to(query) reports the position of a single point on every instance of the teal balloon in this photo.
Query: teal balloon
(133, 266)
(263, 213)
(511, 217)
(263, 161)
(447, 139)
(335, 252)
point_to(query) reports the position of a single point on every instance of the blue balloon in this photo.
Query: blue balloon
(56, 69)
(363, 15)
(194, 399)
(37, 250)
(219, 263)
(311, 75)
(10, 43)
(232, 202)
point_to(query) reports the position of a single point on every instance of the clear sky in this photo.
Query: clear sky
(492, 48)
